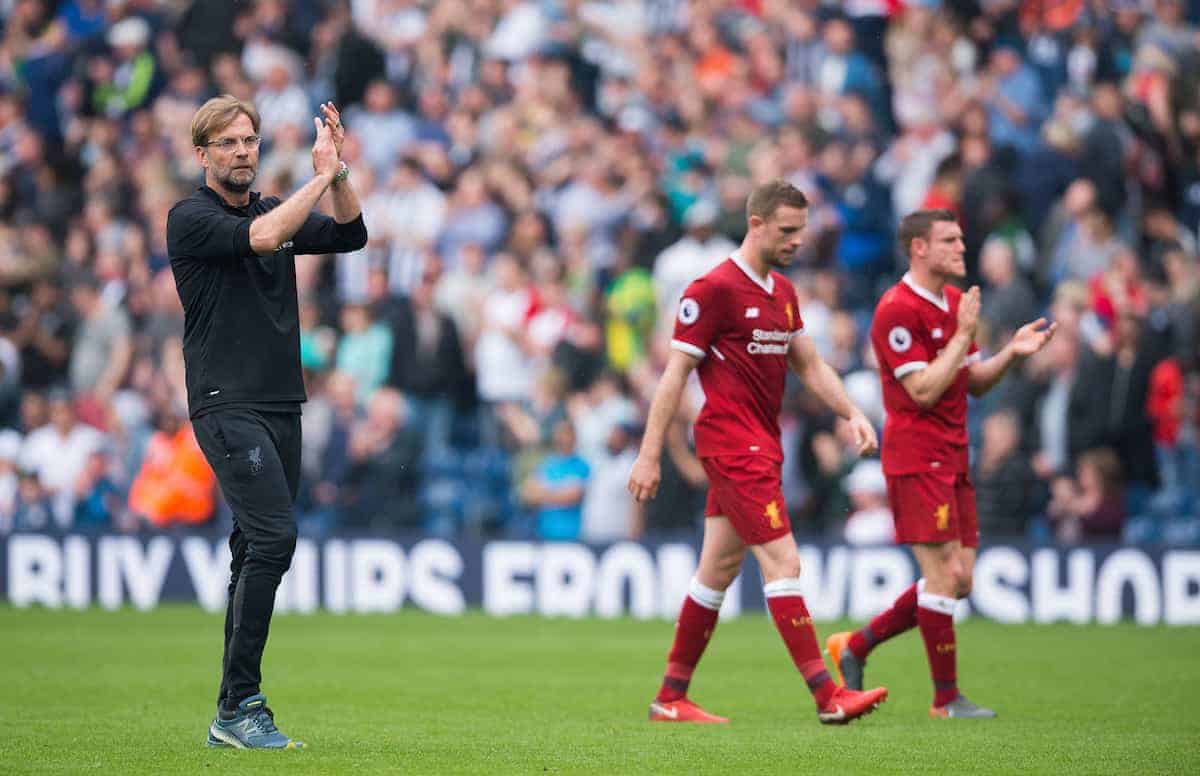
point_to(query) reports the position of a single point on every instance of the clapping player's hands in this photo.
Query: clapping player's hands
(324, 152)
(644, 479)
(1032, 337)
(968, 313)
(864, 435)
(333, 120)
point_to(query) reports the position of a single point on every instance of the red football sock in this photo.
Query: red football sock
(935, 617)
(891, 622)
(795, 625)
(697, 620)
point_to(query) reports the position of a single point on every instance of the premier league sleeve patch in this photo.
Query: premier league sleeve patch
(689, 311)
(899, 338)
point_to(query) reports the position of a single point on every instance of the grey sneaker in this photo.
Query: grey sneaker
(252, 727)
(961, 708)
(848, 667)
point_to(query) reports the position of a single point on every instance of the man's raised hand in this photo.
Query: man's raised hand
(1032, 337)
(333, 120)
(324, 152)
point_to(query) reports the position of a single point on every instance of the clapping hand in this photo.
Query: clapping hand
(968, 313)
(1032, 337)
(324, 150)
(333, 120)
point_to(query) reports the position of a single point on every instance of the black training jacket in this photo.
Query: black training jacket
(241, 336)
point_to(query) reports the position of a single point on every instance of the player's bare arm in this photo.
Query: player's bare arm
(927, 385)
(647, 469)
(821, 379)
(1029, 339)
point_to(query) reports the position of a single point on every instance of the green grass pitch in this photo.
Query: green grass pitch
(131, 692)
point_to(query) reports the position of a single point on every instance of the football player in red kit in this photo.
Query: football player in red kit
(739, 326)
(923, 335)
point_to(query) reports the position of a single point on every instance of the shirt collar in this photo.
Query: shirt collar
(215, 197)
(938, 301)
(767, 285)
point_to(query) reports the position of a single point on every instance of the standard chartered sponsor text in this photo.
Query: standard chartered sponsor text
(764, 339)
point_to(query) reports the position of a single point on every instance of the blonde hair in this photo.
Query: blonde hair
(218, 113)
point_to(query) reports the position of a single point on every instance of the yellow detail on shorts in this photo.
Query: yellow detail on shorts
(942, 514)
(772, 514)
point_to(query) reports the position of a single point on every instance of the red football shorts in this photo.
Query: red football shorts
(747, 489)
(934, 508)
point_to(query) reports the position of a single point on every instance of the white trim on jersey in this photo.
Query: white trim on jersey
(792, 336)
(687, 347)
(767, 285)
(938, 301)
(975, 358)
(909, 368)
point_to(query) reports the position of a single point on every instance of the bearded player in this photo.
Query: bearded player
(923, 334)
(740, 328)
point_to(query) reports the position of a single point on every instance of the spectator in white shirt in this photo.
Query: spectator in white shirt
(384, 129)
(609, 511)
(10, 450)
(700, 249)
(59, 452)
(502, 366)
(871, 521)
(280, 100)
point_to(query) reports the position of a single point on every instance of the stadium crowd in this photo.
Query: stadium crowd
(540, 180)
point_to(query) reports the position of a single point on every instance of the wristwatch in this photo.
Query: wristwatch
(342, 174)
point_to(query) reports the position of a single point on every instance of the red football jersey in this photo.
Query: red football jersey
(741, 326)
(910, 328)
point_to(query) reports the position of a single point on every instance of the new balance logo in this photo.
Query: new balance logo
(214, 392)
(751, 312)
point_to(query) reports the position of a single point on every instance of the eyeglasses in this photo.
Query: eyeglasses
(229, 143)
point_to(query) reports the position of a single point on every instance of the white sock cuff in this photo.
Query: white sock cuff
(937, 603)
(782, 587)
(706, 596)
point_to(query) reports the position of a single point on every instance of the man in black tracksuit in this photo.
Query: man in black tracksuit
(232, 254)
